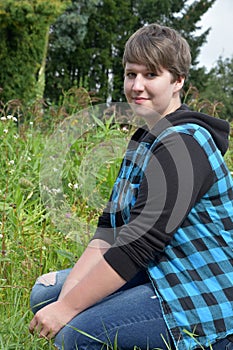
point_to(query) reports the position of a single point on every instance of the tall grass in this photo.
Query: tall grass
(31, 244)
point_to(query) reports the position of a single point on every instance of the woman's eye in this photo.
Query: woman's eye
(131, 75)
(151, 75)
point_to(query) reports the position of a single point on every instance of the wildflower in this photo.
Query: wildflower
(11, 162)
(55, 190)
(1, 235)
(5, 131)
(3, 118)
(9, 116)
(68, 215)
(73, 186)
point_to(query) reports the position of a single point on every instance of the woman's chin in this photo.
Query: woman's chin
(150, 116)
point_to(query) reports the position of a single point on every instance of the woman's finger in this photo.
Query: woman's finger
(32, 325)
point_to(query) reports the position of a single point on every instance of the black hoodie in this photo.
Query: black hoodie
(128, 256)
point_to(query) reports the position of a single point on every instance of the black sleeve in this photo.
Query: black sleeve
(176, 177)
(104, 229)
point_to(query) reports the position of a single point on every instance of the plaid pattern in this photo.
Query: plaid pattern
(193, 278)
(126, 186)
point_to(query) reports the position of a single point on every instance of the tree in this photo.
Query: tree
(93, 59)
(219, 87)
(24, 28)
(67, 59)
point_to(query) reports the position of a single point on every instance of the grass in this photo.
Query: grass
(31, 242)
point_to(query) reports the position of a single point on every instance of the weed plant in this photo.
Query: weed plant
(31, 244)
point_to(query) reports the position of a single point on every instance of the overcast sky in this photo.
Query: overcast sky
(219, 41)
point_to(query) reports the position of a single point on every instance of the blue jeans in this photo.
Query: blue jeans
(132, 314)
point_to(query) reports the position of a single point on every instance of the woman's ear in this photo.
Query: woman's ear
(179, 83)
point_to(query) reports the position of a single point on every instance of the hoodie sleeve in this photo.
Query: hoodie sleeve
(176, 177)
(104, 229)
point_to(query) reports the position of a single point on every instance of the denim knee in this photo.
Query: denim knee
(36, 300)
(47, 289)
(42, 293)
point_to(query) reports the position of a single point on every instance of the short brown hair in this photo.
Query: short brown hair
(159, 47)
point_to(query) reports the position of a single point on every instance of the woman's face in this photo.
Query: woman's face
(149, 93)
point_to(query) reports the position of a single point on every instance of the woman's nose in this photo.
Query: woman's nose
(138, 83)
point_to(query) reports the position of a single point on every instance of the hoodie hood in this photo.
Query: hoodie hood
(218, 128)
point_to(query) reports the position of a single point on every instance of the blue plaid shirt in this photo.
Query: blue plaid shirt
(193, 278)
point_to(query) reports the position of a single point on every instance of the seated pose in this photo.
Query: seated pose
(159, 269)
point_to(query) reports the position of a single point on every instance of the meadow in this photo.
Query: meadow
(36, 235)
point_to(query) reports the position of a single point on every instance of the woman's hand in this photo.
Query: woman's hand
(48, 321)
(101, 281)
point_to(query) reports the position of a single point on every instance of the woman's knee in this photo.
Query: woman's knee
(47, 289)
(41, 294)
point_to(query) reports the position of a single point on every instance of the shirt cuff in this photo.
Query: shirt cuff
(121, 263)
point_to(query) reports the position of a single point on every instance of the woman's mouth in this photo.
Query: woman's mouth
(140, 100)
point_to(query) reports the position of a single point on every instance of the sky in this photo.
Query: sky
(219, 41)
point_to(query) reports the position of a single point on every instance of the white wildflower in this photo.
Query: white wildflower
(11, 162)
(3, 118)
(73, 186)
(5, 131)
(56, 190)
(9, 116)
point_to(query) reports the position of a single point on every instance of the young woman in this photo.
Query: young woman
(160, 265)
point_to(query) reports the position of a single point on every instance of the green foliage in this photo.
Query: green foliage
(66, 53)
(31, 243)
(219, 86)
(45, 48)
(24, 27)
(195, 100)
(86, 49)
